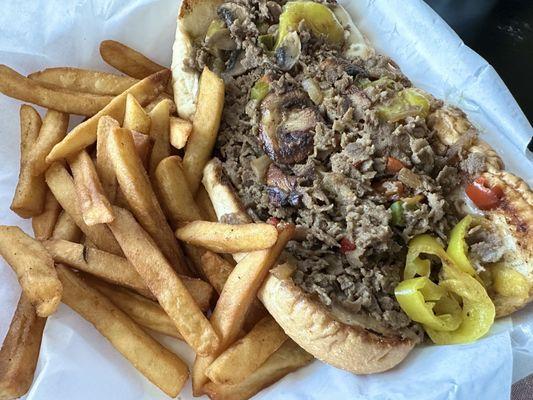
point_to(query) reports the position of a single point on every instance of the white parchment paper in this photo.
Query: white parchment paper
(77, 363)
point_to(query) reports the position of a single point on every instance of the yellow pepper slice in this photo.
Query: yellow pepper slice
(509, 282)
(478, 310)
(423, 244)
(384, 82)
(457, 247)
(409, 102)
(260, 89)
(419, 298)
(318, 17)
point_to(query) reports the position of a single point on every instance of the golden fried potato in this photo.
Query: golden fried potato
(236, 298)
(44, 223)
(15, 85)
(228, 238)
(127, 60)
(204, 127)
(162, 367)
(84, 80)
(93, 203)
(246, 355)
(34, 268)
(20, 350)
(28, 200)
(84, 134)
(62, 186)
(164, 283)
(287, 359)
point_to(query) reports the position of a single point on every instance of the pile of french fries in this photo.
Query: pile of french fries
(125, 210)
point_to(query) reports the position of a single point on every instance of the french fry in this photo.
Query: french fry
(213, 267)
(15, 85)
(87, 243)
(163, 368)
(228, 238)
(180, 130)
(84, 134)
(104, 164)
(44, 223)
(30, 192)
(93, 203)
(227, 206)
(66, 228)
(172, 189)
(160, 134)
(236, 298)
(137, 190)
(135, 118)
(164, 283)
(145, 312)
(204, 203)
(178, 203)
(127, 60)
(34, 268)
(20, 350)
(117, 270)
(287, 359)
(237, 363)
(53, 130)
(162, 96)
(62, 186)
(83, 80)
(143, 147)
(225, 201)
(104, 265)
(204, 127)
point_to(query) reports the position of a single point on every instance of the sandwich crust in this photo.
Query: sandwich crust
(513, 219)
(193, 20)
(450, 124)
(317, 331)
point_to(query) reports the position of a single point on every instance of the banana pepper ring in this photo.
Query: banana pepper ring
(457, 247)
(425, 244)
(420, 298)
(478, 310)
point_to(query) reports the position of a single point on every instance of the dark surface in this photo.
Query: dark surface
(501, 31)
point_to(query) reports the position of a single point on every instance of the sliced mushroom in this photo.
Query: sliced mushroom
(276, 177)
(281, 187)
(234, 65)
(230, 12)
(218, 36)
(287, 126)
(288, 52)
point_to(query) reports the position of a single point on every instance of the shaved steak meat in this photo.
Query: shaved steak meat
(336, 165)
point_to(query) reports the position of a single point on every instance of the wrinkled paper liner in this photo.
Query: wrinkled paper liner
(76, 362)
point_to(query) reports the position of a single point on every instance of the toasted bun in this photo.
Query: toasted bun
(193, 20)
(316, 330)
(514, 221)
(450, 124)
